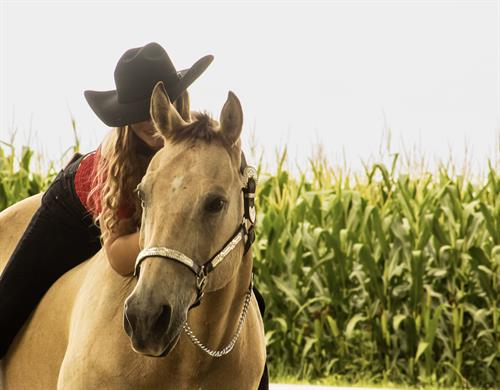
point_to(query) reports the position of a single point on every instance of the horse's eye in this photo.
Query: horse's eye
(215, 205)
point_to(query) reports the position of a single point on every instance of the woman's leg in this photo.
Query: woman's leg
(57, 239)
(264, 380)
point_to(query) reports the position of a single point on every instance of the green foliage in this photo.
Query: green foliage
(17, 179)
(394, 279)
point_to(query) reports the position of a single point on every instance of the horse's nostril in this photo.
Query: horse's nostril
(163, 321)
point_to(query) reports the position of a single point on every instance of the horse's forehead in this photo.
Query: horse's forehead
(198, 159)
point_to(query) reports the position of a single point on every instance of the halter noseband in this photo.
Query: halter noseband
(245, 230)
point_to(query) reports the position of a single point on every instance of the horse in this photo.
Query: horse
(188, 319)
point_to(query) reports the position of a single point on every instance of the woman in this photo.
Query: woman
(71, 211)
(91, 203)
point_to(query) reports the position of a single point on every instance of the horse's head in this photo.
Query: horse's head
(192, 204)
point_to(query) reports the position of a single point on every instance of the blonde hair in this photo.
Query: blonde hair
(119, 171)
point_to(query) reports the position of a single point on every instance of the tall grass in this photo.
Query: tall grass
(17, 178)
(380, 277)
(395, 279)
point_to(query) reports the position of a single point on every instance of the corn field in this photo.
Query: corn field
(389, 278)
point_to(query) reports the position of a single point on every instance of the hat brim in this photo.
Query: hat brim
(106, 106)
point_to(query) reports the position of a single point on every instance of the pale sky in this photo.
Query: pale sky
(334, 73)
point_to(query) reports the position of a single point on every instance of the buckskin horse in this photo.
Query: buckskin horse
(188, 320)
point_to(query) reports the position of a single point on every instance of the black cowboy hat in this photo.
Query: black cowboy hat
(136, 73)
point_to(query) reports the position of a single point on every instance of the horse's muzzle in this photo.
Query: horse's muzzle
(149, 328)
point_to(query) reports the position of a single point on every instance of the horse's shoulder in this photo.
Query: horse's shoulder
(13, 222)
(21, 211)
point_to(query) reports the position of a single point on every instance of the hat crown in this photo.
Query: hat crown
(136, 73)
(139, 69)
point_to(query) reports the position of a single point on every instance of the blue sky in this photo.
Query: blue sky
(332, 73)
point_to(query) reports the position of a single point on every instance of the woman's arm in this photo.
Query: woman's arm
(122, 249)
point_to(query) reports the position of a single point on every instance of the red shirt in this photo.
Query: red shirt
(83, 183)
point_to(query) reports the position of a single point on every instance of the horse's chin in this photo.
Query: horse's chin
(159, 349)
(170, 346)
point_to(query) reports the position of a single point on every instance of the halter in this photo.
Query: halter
(245, 232)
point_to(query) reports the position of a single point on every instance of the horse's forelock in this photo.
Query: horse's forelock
(204, 128)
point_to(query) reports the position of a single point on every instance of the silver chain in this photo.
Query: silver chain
(224, 351)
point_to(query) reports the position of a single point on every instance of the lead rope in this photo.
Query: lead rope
(229, 347)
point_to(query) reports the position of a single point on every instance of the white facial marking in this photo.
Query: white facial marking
(176, 183)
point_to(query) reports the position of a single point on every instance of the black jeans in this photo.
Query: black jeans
(59, 236)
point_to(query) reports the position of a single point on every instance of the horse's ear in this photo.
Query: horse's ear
(163, 113)
(231, 118)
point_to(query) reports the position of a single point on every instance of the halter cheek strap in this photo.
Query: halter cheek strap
(245, 230)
